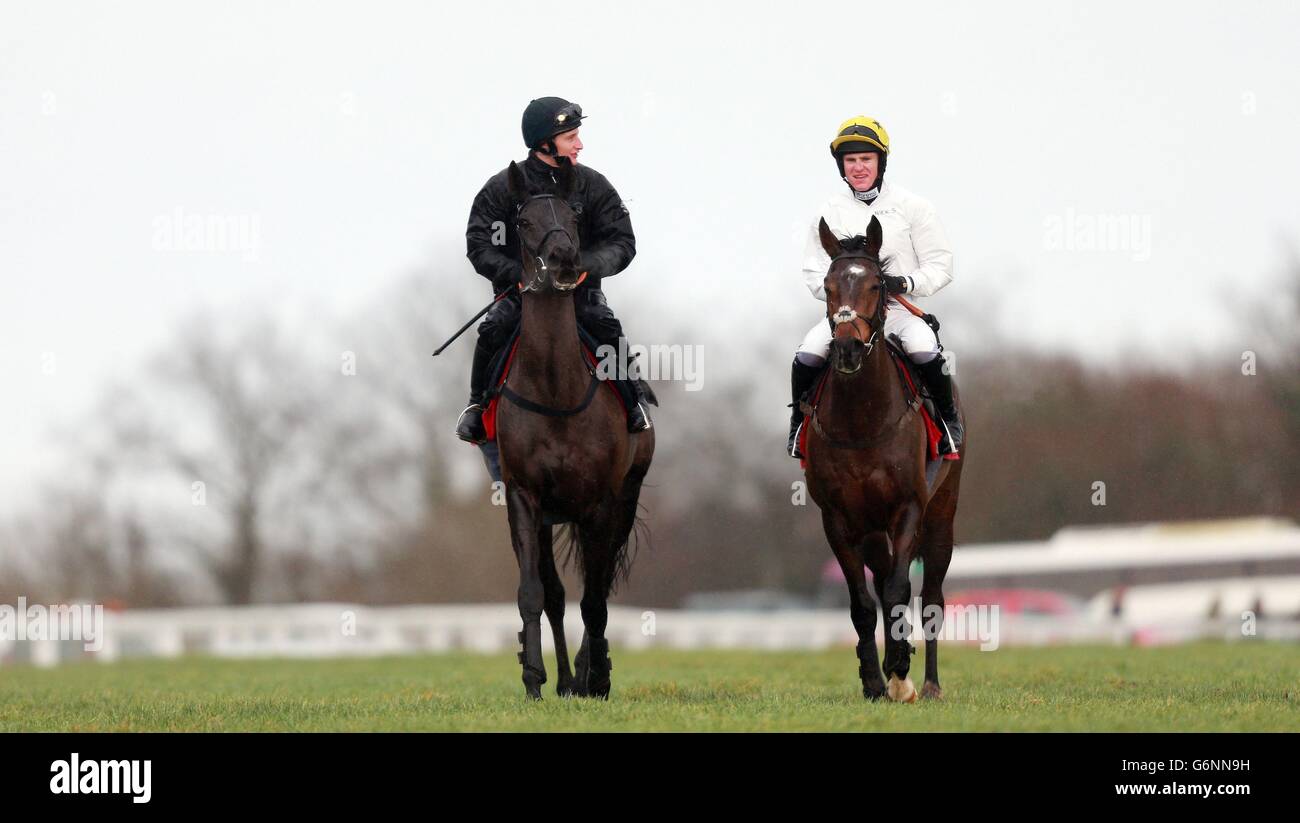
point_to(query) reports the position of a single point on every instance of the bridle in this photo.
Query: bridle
(535, 252)
(876, 323)
(847, 314)
(535, 284)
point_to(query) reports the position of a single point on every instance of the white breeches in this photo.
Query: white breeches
(918, 338)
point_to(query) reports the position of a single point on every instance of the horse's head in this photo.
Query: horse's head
(547, 230)
(855, 295)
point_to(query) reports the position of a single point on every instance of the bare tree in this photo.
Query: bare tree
(223, 417)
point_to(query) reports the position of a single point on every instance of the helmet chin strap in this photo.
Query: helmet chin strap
(872, 193)
(865, 196)
(548, 148)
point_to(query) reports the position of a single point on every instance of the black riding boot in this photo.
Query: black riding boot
(470, 425)
(940, 385)
(634, 398)
(635, 393)
(802, 378)
(598, 320)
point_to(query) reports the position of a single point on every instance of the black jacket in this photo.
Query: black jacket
(604, 226)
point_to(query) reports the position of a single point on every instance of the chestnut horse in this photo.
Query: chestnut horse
(566, 455)
(866, 469)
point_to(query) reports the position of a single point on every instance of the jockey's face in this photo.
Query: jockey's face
(566, 145)
(861, 169)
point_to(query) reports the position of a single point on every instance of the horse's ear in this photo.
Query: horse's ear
(830, 242)
(516, 183)
(875, 237)
(565, 179)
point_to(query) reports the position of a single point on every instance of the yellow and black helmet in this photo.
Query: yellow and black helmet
(858, 134)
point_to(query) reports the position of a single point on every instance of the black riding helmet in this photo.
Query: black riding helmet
(546, 117)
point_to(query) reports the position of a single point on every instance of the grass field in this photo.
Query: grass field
(1203, 687)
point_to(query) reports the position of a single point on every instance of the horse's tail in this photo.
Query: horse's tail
(569, 547)
(638, 534)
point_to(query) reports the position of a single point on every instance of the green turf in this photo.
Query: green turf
(1202, 687)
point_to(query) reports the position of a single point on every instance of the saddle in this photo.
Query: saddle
(918, 399)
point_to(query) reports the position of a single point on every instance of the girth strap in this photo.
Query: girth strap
(537, 408)
(861, 442)
(909, 393)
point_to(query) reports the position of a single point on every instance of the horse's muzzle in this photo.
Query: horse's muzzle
(566, 280)
(847, 354)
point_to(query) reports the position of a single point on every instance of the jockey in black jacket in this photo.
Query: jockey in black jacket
(550, 127)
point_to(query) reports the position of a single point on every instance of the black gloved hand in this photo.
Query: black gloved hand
(895, 285)
(593, 264)
(507, 282)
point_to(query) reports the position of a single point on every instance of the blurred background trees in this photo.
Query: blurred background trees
(255, 461)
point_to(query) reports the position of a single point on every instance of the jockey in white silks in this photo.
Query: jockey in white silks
(917, 258)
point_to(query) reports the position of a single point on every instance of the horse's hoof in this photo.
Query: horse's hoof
(873, 694)
(931, 691)
(901, 691)
(565, 689)
(599, 691)
(533, 684)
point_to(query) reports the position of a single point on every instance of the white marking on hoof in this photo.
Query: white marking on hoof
(901, 691)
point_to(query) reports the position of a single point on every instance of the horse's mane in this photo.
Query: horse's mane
(857, 243)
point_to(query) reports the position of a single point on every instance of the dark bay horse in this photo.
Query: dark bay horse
(566, 455)
(866, 459)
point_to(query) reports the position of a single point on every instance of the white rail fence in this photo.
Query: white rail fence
(341, 630)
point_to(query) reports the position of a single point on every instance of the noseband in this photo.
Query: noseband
(847, 314)
(535, 252)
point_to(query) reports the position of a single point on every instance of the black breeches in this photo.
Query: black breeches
(499, 323)
(595, 316)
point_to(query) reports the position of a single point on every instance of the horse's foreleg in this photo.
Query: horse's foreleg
(862, 607)
(598, 557)
(896, 592)
(553, 603)
(525, 520)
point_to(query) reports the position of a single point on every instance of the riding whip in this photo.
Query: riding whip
(474, 320)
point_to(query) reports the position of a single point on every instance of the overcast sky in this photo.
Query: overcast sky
(347, 140)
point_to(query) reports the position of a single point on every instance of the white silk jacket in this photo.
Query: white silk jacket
(914, 245)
